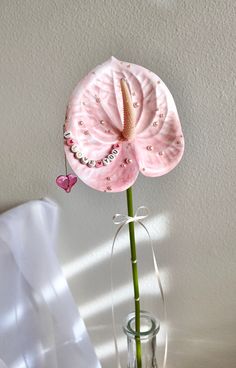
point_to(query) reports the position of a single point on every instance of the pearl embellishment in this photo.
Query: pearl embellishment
(128, 161)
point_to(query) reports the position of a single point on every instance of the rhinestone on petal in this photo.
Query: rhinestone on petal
(149, 148)
(81, 122)
(136, 104)
(102, 122)
(161, 153)
(155, 123)
(123, 165)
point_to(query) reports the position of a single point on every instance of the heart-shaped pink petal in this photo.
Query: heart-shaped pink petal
(98, 119)
(66, 182)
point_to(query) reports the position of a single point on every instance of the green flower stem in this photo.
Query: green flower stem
(129, 196)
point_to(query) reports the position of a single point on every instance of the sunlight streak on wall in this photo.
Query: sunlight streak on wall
(102, 252)
(121, 295)
(108, 348)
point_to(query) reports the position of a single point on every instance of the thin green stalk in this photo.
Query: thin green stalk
(135, 277)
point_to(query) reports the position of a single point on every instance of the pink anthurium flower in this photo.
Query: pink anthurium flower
(121, 119)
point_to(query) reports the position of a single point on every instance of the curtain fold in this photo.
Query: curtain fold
(40, 326)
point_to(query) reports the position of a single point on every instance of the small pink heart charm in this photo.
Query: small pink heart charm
(66, 182)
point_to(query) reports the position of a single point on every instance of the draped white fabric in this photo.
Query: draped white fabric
(40, 326)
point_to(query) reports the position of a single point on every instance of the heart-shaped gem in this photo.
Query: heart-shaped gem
(70, 142)
(66, 182)
(99, 163)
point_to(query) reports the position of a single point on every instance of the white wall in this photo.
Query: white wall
(46, 47)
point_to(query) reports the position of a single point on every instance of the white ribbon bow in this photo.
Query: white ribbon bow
(141, 213)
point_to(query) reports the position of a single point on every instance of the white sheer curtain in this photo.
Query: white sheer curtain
(40, 326)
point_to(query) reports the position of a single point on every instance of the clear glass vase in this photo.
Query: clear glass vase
(148, 331)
